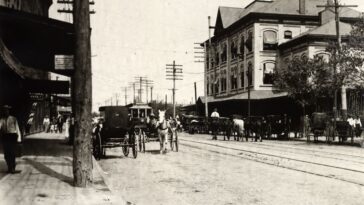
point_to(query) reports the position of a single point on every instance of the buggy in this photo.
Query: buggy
(115, 131)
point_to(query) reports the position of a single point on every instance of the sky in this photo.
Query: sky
(139, 37)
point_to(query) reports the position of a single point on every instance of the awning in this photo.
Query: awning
(35, 80)
(36, 40)
(254, 95)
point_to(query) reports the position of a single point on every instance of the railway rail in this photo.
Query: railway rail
(319, 169)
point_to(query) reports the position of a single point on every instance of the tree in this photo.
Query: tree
(303, 80)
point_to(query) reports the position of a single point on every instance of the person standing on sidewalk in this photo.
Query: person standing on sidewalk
(215, 122)
(10, 136)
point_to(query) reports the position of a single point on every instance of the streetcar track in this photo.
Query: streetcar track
(290, 147)
(272, 164)
(277, 156)
(283, 148)
(303, 149)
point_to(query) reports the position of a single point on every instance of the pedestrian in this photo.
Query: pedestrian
(215, 122)
(358, 126)
(60, 122)
(67, 128)
(351, 122)
(10, 136)
(46, 123)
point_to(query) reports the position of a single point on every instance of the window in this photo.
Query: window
(223, 82)
(249, 42)
(242, 76)
(212, 84)
(242, 48)
(268, 70)
(249, 74)
(223, 54)
(216, 84)
(234, 78)
(233, 50)
(217, 59)
(288, 35)
(270, 40)
(323, 56)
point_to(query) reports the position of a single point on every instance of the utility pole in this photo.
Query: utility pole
(126, 95)
(151, 94)
(202, 55)
(195, 97)
(165, 102)
(209, 64)
(82, 88)
(117, 99)
(337, 6)
(174, 72)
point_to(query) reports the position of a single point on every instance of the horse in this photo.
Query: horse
(163, 128)
(239, 128)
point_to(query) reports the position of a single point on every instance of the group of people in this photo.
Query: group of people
(355, 124)
(55, 125)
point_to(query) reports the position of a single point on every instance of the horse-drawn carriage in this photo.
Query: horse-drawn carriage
(115, 131)
(278, 125)
(146, 128)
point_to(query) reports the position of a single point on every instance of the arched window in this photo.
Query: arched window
(242, 47)
(270, 41)
(249, 42)
(233, 50)
(234, 78)
(242, 76)
(223, 54)
(268, 71)
(223, 82)
(249, 74)
(217, 58)
(287, 34)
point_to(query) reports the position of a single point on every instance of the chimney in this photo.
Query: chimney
(302, 9)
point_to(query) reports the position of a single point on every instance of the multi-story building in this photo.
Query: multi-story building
(250, 43)
(29, 42)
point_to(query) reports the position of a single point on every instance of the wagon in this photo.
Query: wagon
(116, 131)
(344, 131)
(144, 130)
(277, 125)
(319, 125)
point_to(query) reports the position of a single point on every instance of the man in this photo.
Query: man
(10, 135)
(215, 121)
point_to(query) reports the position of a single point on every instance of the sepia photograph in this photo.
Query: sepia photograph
(181, 102)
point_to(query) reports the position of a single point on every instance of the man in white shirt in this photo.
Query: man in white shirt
(215, 118)
(10, 135)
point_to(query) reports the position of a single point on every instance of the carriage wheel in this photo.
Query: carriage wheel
(143, 141)
(125, 147)
(134, 147)
(140, 140)
(171, 140)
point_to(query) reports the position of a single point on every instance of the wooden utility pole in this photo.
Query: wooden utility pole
(195, 97)
(174, 72)
(82, 95)
(337, 6)
(151, 94)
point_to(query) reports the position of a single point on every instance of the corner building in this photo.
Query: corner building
(250, 43)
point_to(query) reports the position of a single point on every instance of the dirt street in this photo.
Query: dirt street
(227, 172)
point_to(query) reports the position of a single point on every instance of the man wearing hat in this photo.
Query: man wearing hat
(10, 135)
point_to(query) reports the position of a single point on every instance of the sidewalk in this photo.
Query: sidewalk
(46, 176)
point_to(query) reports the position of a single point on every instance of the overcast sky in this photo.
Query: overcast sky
(139, 37)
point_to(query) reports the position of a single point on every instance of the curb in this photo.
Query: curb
(104, 179)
